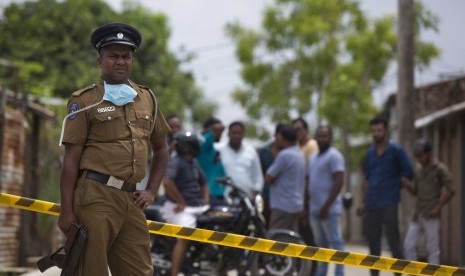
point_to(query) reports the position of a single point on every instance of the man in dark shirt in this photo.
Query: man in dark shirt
(385, 165)
(186, 190)
(266, 154)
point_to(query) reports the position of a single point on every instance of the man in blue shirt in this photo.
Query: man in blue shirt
(326, 173)
(385, 165)
(286, 177)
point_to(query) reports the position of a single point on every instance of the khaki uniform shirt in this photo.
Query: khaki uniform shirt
(429, 184)
(116, 139)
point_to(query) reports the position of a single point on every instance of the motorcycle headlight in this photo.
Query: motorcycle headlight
(259, 203)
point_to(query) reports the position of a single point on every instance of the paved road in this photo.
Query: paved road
(349, 270)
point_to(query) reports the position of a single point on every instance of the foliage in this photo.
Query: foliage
(49, 40)
(320, 56)
(315, 51)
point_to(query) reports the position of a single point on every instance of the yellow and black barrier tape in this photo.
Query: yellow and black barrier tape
(261, 245)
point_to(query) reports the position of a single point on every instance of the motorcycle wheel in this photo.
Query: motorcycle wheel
(272, 264)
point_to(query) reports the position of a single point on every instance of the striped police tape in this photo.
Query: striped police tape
(261, 245)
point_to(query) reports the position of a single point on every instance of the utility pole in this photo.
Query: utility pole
(405, 74)
(405, 96)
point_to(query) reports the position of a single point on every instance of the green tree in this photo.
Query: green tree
(49, 40)
(319, 52)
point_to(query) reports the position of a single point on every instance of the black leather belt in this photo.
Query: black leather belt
(110, 181)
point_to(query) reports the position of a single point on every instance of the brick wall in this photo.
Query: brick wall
(12, 179)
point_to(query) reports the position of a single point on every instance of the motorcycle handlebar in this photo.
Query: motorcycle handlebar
(227, 181)
(224, 180)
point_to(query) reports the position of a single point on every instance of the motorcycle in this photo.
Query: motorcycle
(242, 215)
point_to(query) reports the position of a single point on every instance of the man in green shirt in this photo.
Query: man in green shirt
(433, 188)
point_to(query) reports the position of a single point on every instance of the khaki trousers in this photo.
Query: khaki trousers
(118, 237)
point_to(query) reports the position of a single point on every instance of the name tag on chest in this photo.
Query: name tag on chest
(106, 109)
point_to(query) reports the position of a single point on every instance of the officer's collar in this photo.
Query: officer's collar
(101, 85)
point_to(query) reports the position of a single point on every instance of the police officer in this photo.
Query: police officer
(107, 132)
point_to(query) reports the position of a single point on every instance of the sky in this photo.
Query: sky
(198, 26)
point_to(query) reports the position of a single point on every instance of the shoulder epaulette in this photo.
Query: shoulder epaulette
(145, 87)
(79, 92)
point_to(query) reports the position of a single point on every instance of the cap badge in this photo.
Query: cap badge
(120, 35)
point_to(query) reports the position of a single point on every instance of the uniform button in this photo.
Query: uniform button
(134, 160)
(109, 117)
(134, 140)
(129, 122)
(147, 117)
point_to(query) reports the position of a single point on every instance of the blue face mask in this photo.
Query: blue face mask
(119, 94)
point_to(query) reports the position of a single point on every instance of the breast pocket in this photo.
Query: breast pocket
(144, 123)
(107, 127)
(243, 165)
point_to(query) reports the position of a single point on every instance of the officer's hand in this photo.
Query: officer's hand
(143, 198)
(65, 220)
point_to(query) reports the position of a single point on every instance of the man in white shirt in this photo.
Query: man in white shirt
(241, 161)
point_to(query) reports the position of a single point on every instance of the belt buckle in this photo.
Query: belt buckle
(115, 182)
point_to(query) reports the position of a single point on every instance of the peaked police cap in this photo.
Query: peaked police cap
(115, 33)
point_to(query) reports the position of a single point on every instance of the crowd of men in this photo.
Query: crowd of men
(301, 179)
